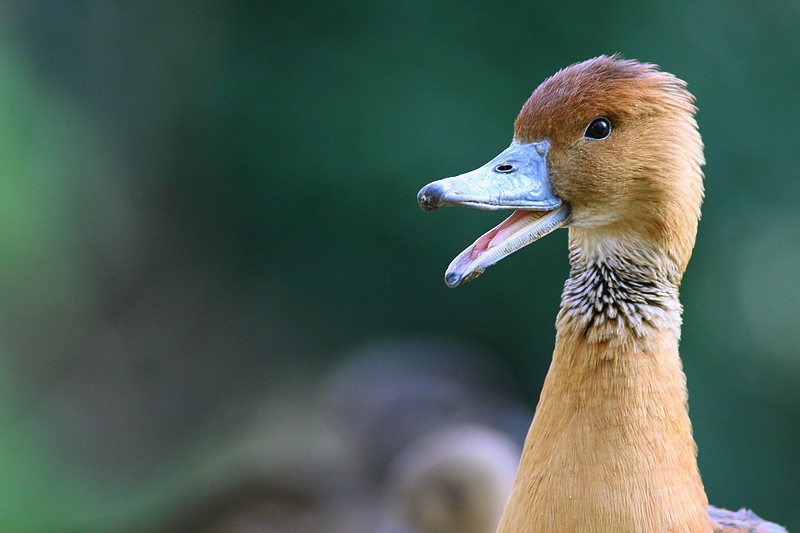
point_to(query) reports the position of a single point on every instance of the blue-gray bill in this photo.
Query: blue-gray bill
(516, 179)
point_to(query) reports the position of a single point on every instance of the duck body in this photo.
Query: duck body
(610, 149)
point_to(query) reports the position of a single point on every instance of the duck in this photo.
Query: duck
(433, 429)
(389, 392)
(455, 479)
(610, 149)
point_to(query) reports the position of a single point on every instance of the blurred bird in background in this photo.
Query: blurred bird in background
(410, 435)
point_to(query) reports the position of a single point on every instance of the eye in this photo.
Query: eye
(599, 128)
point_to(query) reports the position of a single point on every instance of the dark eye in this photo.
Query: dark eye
(600, 128)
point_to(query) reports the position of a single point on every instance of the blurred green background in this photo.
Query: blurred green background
(207, 204)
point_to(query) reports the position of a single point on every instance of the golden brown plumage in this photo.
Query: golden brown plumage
(610, 448)
(643, 180)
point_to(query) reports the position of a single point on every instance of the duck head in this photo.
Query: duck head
(607, 147)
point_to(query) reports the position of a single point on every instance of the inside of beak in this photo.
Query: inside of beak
(520, 229)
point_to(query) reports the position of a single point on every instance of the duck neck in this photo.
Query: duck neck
(611, 447)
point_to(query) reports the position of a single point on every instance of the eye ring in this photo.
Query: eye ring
(504, 168)
(598, 129)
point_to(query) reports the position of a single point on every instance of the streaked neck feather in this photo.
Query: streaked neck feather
(610, 447)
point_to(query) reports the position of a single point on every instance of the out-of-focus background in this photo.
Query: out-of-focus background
(222, 305)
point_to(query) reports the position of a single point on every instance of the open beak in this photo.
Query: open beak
(516, 179)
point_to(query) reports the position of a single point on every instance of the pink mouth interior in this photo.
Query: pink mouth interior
(499, 232)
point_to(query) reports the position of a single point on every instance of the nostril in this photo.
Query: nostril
(430, 197)
(504, 168)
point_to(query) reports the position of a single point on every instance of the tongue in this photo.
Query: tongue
(493, 237)
(520, 229)
(497, 234)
